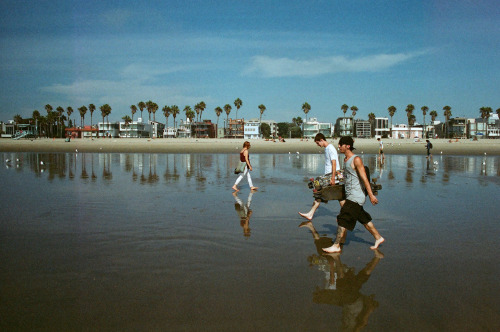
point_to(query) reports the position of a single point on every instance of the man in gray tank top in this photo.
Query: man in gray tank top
(356, 181)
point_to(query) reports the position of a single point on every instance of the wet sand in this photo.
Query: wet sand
(192, 145)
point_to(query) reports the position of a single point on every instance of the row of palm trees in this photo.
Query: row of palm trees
(485, 114)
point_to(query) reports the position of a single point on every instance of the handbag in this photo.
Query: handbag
(240, 168)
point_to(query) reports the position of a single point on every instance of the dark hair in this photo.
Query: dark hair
(347, 140)
(246, 144)
(319, 137)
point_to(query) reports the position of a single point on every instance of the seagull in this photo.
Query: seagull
(435, 163)
(298, 152)
(7, 160)
(76, 150)
(41, 163)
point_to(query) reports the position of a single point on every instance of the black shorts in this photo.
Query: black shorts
(350, 213)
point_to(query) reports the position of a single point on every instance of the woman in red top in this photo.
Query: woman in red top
(244, 157)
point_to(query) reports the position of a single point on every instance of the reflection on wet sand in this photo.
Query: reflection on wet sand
(244, 212)
(342, 285)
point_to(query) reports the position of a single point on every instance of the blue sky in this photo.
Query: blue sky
(367, 53)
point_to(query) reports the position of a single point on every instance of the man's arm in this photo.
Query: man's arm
(334, 172)
(360, 168)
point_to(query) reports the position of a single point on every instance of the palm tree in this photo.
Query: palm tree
(424, 112)
(175, 111)
(371, 118)
(237, 104)
(154, 109)
(133, 110)
(344, 109)
(127, 120)
(82, 111)
(36, 117)
(91, 110)
(498, 111)
(105, 111)
(49, 109)
(218, 112)
(202, 108)
(166, 111)
(51, 119)
(392, 111)
(190, 115)
(306, 108)
(69, 110)
(197, 109)
(433, 115)
(354, 109)
(409, 113)
(262, 108)
(227, 109)
(447, 115)
(149, 107)
(60, 112)
(141, 106)
(485, 114)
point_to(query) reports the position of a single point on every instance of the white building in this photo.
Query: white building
(313, 127)
(273, 125)
(400, 131)
(133, 129)
(251, 129)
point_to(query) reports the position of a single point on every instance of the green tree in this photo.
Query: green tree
(127, 120)
(49, 109)
(344, 108)
(69, 110)
(133, 110)
(202, 108)
(371, 119)
(392, 111)
(36, 117)
(447, 115)
(142, 106)
(237, 104)
(227, 109)
(433, 115)
(306, 108)
(190, 115)
(105, 111)
(354, 109)
(283, 129)
(262, 109)
(265, 129)
(82, 110)
(485, 114)
(175, 110)
(218, 112)
(197, 109)
(91, 110)
(167, 110)
(60, 112)
(424, 112)
(409, 113)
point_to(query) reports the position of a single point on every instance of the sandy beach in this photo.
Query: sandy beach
(192, 145)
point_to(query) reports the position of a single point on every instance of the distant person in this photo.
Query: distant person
(332, 165)
(356, 181)
(428, 146)
(245, 157)
(381, 150)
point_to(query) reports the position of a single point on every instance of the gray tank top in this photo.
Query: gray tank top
(354, 189)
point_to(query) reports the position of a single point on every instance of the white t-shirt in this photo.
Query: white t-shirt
(331, 154)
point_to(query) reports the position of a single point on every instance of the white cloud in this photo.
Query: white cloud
(285, 67)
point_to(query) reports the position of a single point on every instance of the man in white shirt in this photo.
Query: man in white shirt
(331, 166)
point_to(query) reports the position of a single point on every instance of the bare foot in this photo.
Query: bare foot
(305, 215)
(332, 249)
(378, 254)
(307, 224)
(235, 188)
(377, 243)
(254, 188)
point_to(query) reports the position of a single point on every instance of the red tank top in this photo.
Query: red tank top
(242, 157)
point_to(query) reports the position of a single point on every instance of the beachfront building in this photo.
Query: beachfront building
(312, 127)
(235, 128)
(251, 129)
(479, 127)
(457, 127)
(382, 128)
(205, 129)
(401, 131)
(135, 129)
(363, 128)
(344, 127)
(8, 129)
(108, 129)
(273, 125)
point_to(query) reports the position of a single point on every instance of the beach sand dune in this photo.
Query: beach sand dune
(192, 145)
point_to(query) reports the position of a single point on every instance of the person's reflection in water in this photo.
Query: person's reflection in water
(244, 212)
(343, 286)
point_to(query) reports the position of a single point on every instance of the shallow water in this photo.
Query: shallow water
(156, 242)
